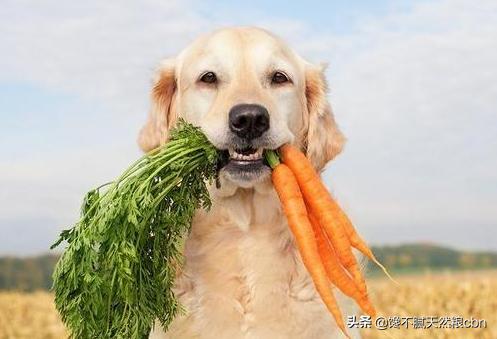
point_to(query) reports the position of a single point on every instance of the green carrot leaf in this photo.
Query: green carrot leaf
(116, 275)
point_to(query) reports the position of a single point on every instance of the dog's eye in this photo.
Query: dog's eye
(208, 78)
(279, 78)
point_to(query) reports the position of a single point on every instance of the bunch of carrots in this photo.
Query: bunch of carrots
(323, 232)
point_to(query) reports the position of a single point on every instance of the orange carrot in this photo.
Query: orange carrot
(295, 210)
(355, 240)
(337, 275)
(319, 201)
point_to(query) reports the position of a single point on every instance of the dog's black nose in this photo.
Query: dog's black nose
(248, 121)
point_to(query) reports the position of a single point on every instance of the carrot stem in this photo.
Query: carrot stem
(272, 158)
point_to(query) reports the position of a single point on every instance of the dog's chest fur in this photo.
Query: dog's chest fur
(243, 277)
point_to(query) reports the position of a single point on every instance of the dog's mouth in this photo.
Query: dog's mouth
(245, 164)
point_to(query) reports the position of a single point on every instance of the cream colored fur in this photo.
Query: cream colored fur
(243, 277)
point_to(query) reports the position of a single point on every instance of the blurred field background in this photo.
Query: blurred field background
(434, 281)
(468, 294)
(31, 315)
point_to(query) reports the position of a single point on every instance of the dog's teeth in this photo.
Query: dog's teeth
(249, 157)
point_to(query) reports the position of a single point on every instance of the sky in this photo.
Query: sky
(412, 83)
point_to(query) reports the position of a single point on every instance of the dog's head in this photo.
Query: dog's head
(248, 92)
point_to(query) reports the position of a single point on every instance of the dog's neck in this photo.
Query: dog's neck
(242, 207)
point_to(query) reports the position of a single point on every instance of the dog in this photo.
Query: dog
(243, 276)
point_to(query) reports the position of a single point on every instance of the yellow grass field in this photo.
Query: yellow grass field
(471, 294)
(463, 294)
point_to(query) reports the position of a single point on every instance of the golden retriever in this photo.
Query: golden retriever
(248, 91)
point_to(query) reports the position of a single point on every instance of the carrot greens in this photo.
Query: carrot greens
(116, 275)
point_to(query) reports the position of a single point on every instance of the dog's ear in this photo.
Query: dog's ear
(323, 140)
(162, 113)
